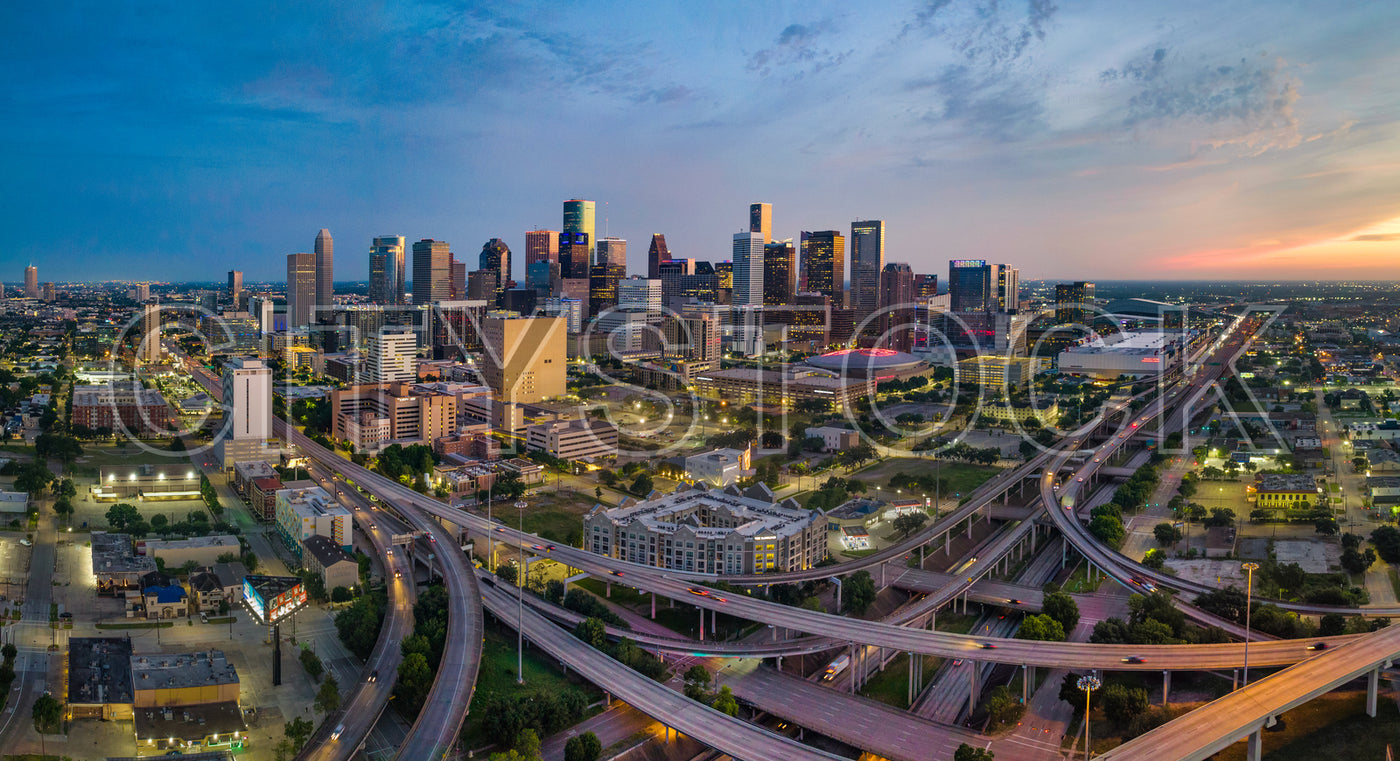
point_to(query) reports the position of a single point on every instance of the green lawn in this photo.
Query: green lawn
(1078, 581)
(891, 686)
(497, 676)
(962, 478)
(956, 623)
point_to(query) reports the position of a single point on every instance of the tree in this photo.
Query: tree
(328, 697)
(159, 522)
(725, 702)
(1062, 608)
(341, 594)
(1108, 530)
(697, 682)
(1070, 692)
(415, 680)
(1332, 624)
(507, 573)
(593, 631)
(47, 713)
(9, 651)
(527, 744)
(584, 747)
(967, 752)
(1121, 703)
(1041, 627)
(1387, 542)
(1166, 534)
(859, 592)
(34, 478)
(908, 523)
(642, 486)
(122, 515)
(1003, 707)
(298, 730)
(177, 444)
(311, 663)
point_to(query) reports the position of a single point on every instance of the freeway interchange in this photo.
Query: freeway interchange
(437, 727)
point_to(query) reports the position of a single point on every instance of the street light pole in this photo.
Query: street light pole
(1088, 684)
(1250, 568)
(520, 627)
(490, 530)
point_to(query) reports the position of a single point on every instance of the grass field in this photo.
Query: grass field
(891, 686)
(558, 518)
(961, 477)
(497, 677)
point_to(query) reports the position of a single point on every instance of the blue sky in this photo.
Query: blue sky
(1086, 139)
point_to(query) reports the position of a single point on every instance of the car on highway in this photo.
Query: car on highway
(374, 675)
(616, 573)
(1318, 646)
(1013, 601)
(389, 552)
(398, 574)
(335, 734)
(549, 548)
(1135, 659)
(432, 538)
(373, 527)
(701, 591)
(26, 542)
(989, 646)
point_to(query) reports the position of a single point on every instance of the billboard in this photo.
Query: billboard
(272, 598)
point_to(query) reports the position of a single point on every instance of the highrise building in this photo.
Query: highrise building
(972, 286)
(724, 271)
(31, 282)
(1008, 288)
(387, 269)
(575, 255)
(541, 245)
(897, 306)
(761, 220)
(1074, 303)
(49, 294)
(867, 264)
(458, 288)
(390, 355)
(639, 294)
(925, 286)
(301, 289)
(495, 257)
(612, 251)
(248, 399)
(824, 258)
(149, 350)
(602, 286)
(748, 269)
(525, 358)
(325, 270)
(579, 218)
(140, 293)
(262, 309)
(432, 271)
(543, 275)
(779, 272)
(235, 287)
(656, 254)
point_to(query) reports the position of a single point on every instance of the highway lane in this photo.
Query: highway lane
(367, 699)
(734, 736)
(1219, 724)
(435, 731)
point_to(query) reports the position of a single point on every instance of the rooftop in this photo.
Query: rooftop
(326, 551)
(191, 723)
(194, 542)
(1284, 482)
(114, 553)
(99, 670)
(753, 510)
(173, 671)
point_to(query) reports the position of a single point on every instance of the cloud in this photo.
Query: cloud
(984, 32)
(984, 102)
(798, 51)
(1376, 238)
(1246, 103)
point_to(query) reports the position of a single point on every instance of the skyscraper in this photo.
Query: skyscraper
(972, 286)
(235, 287)
(824, 258)
(602, 286)
(612, 251)
(301, 289)
(432, 271)
(389, 355)
(925, 286)
(149, 350)
(386, 269)
(761, 220)
(574, 254)
(867, 262)
(541, 245)
(495, 257)
(1074, 303)
(897, 306)
(247, 386)
(748, 269)
(656, 254)
(524, 359)
(779, 272)
(579, 218)
(1008, 288)
(325, 269)
(31, 282)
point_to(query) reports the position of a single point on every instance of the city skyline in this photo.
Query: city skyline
(1201, 140)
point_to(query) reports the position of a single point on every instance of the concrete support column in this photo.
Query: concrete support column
(1235, 680)
(702, 624)
(653, 606)
(607, 699)
(1166, 686)
(780, 664)
(1255, 751)
(852, 654)
(921, 556)
(882, 576)
(909, 680)
(714, 614)
(880, 659)
(609, 583)
(947, 545)
(1025, 683)
(972, 685)
(1372, 683)
(970, 519)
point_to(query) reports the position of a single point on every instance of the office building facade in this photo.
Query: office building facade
(748, 269)
(779, 272)
(387, 269)
(541, 246)
(301, 289)
(761, 220)
(325, 270)
(824, 260)
(31, 282)
(579, 218)
(867, 264)
(1008, 288)
(432, 271)
(972, 285)
(612, 251)
(391, 355)
(1074, 303)
(575, 255)
(525, 357)
(657, 253)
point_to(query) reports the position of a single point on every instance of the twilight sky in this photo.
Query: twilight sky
(1172, 140)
